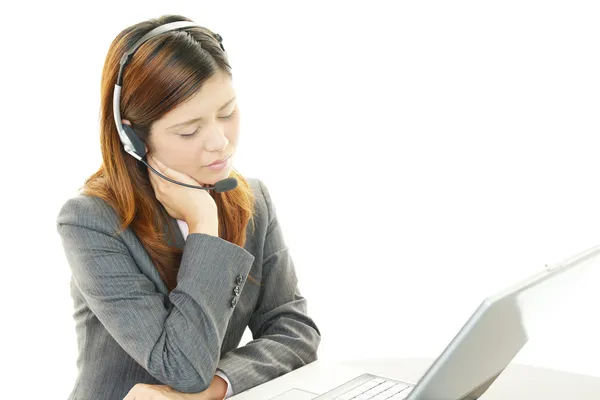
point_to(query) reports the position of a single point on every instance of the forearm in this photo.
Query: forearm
(269, 357)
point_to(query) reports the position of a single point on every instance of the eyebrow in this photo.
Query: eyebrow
(191, 121)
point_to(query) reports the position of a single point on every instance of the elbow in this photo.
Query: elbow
(190, 385)
(311, 357)
(312, 350)
(192, 382)
(185, 380)
(174, 369)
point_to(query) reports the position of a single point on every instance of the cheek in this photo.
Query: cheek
(176, 153)
(186, 152)
(232, 131)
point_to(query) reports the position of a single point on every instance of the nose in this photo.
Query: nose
(216, 139)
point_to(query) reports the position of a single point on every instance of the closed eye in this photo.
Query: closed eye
(190, 135)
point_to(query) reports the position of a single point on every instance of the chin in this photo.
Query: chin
(215, 177)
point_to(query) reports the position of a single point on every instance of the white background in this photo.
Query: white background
(421, 156)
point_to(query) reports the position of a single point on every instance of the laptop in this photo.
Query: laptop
(470, 363)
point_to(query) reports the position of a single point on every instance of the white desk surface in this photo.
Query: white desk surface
(516, 382)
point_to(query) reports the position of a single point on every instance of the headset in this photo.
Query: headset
(132, 144)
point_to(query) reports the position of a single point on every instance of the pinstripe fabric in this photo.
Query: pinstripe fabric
(130, 330)
(184, 232)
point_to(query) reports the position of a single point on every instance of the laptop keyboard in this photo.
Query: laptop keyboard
(378, 389)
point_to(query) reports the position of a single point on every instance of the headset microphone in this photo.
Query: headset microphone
(132, 144)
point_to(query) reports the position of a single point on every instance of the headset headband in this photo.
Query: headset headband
(154, 32)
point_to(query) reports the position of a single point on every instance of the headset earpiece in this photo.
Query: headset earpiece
(139, 146)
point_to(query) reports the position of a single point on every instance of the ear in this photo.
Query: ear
(125, 122)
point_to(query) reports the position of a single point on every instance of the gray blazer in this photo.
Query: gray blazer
(131, 330)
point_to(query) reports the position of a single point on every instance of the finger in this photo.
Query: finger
(152, 163)
(175, 175)
(152, 175)
(161, 167)
(155, 178)
(162, 170)
(154, 181)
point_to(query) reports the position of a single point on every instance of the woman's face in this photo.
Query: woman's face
(199, 132)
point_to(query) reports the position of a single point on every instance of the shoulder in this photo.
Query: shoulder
(87, 211)
(93, 212)
(264, 202)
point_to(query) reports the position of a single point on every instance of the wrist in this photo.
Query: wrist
(203, 229)
(218, 388)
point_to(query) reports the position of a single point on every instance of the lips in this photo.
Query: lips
(218, 161)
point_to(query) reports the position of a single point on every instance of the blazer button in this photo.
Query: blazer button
(234, 302)
(236, 290)
(239, 279)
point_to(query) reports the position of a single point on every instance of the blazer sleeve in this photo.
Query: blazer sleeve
(177, 341)
(285, 337)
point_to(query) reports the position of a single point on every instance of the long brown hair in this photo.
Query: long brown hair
(164, 72)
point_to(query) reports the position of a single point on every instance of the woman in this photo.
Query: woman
(165, 278)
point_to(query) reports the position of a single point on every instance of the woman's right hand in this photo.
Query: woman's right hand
(194, 206)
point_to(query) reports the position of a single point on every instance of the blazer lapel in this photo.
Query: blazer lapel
(177, 239)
